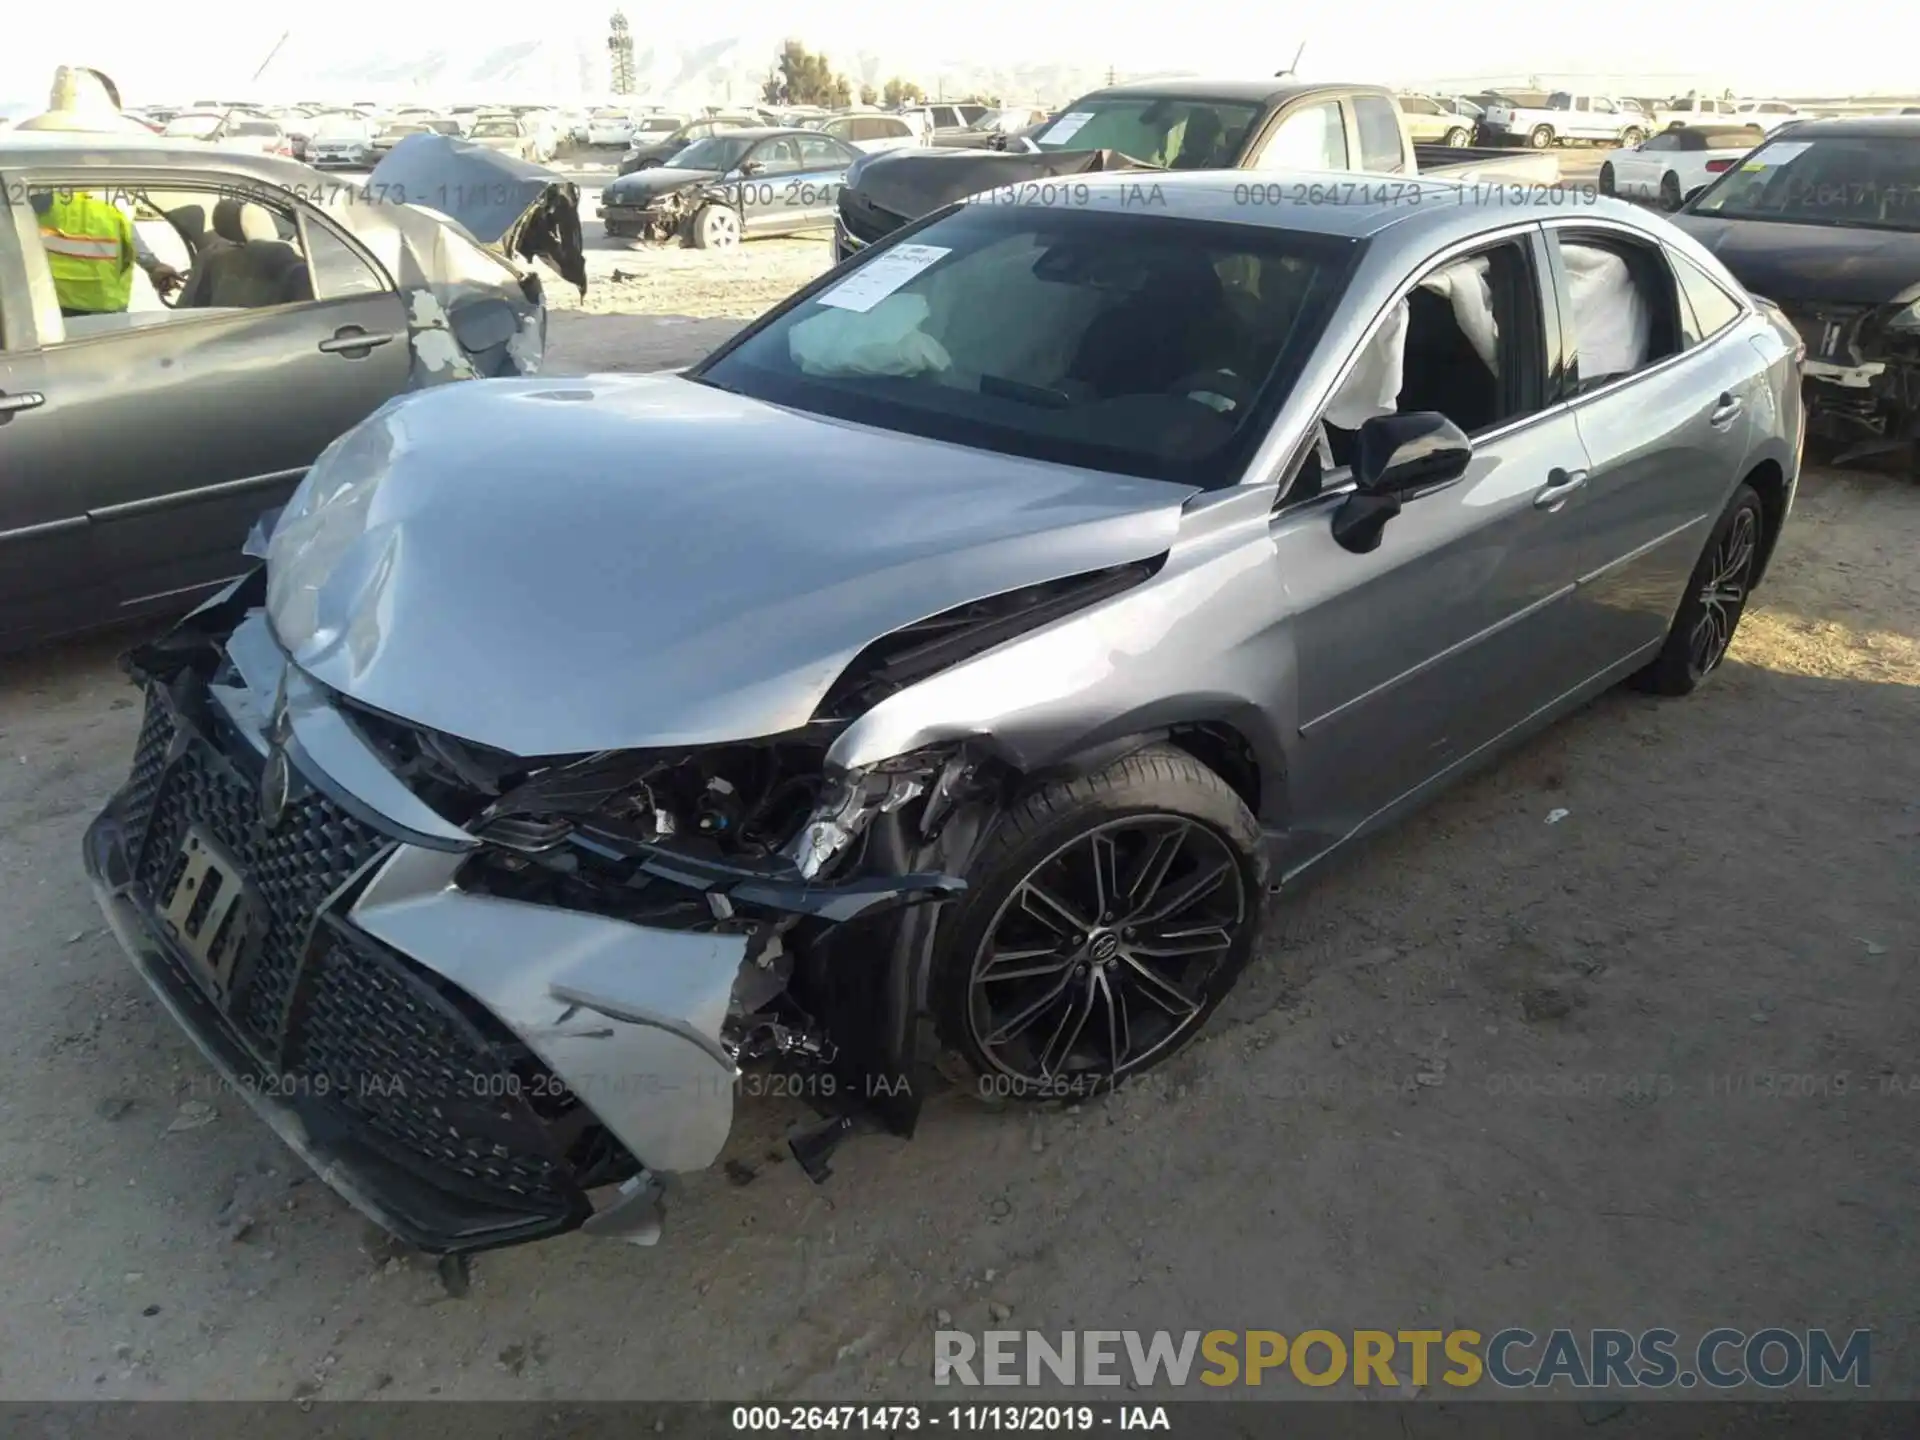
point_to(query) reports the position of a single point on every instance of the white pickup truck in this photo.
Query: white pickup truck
(1694, 110)
(1563, 119)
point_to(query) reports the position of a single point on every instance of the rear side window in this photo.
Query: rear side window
(1380, 147)
(1712, 309)
(1625, 312)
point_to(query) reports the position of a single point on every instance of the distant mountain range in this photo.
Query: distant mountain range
(575, 68)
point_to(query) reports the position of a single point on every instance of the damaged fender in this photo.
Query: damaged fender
(628, 1018)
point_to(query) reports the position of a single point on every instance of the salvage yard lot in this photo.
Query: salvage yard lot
(1650, 1063)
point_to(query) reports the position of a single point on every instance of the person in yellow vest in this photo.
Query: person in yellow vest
(90, 248)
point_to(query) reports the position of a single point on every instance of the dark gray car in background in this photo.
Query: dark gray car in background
(138, 448)
(939, 675)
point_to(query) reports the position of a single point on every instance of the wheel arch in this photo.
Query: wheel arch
(1221, 746)
(1769, 481)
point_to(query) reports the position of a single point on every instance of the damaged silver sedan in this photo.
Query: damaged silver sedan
(934, 679)
(271, 309)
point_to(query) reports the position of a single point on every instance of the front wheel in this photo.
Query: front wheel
(1606, 180)
(716, 227)
(1105, 919)
(1540, 137)
(1715, 599)
(1457, 138)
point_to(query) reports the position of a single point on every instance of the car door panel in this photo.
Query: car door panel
(1417, 655)
(217, 418)
(48, 579)
(1663, 452)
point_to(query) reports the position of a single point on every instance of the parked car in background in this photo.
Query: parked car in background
(1676, 164)
(1041, 644)
(1769, 115)
(394, 131)
(935, 120)
(342, 140)
(507, 134)
(870, 133)
(726, 188)
(1174, 124)
(1824, 220)
(610, 126)
(1693, 110)
(1563, 119)
(651, 150)
(297, 319)
(1431, 122)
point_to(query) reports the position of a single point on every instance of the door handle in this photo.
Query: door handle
(1560, 484)
(25, 400)
(1726, 412)
(351, 339)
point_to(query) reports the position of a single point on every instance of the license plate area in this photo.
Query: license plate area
(208, 910)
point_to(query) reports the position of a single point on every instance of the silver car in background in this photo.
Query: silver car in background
(941, 672)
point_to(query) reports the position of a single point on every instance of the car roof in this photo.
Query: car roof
(1874, 127)
(127, 150)
(1270, 91)
(766, 132)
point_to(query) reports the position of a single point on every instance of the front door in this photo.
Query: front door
(206, 415)
(1413, 658)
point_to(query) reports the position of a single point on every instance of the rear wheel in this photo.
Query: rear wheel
(716, 227)
(1606, 180)
(1669, 191)
(1106, 917)
(1715, 600)
(1540, 137)
(1632, 135)
(1457, 138)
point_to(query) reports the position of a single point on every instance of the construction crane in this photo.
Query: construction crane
(620, 47)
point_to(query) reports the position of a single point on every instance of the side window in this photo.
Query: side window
(1661, 144)
(1583, 103)
(336, 270)
(1625, 312)
(1414, 105)
(111, 252)
(1381, 149)
(777, 157)
(1309, 139)
(1603, 106)
(1466, 341)
(1712, 309)
(819, 153)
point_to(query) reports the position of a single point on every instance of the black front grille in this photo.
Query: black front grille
(293, 867)
(420, 1070)
(149, 765)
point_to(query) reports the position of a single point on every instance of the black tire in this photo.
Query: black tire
(714, 227)
(1670, 191)
(1606, 180)
(1725, 568)
(1540, 137)
(1164, 824)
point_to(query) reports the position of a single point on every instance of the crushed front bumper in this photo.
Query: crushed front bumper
(470, 1072)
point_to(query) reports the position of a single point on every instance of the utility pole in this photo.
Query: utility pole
(620, 49)
(1109, 74)
(271, 53)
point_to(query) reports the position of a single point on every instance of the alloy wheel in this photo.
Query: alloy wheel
(1724, 593)
(1102, 957)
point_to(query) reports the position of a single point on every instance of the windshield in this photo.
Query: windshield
(716, 152)
(1133, 344)
(340, 127)
(1857, 181)
(1177, 134)
(486, 128)
(194, 127)
(254, 127)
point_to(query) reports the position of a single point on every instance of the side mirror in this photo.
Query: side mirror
(750, 167)
(1399, 458)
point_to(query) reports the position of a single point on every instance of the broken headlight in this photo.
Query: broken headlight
(1905, 320)
(855, 797)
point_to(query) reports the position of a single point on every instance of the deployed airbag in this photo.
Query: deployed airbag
(1373, 386)
(1610, 315)
(886, 340)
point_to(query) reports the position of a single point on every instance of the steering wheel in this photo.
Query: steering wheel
(1220, 384)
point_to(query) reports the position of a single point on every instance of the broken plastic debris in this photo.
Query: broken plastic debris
(1554, 817)
(191, 1115)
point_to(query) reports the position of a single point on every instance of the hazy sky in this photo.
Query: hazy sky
(160, 54)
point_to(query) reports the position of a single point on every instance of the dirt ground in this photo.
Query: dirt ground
(1715, 895)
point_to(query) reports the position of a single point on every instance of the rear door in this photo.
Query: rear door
(183, 425)
(816, 189)
(1665, 410)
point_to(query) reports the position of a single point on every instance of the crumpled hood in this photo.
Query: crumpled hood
(896, 186)
(1817, 263)
(643, 187)
(559, 566)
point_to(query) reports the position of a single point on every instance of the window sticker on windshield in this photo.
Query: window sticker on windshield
(1066, 127)
(881, 276)
(1778, 154)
